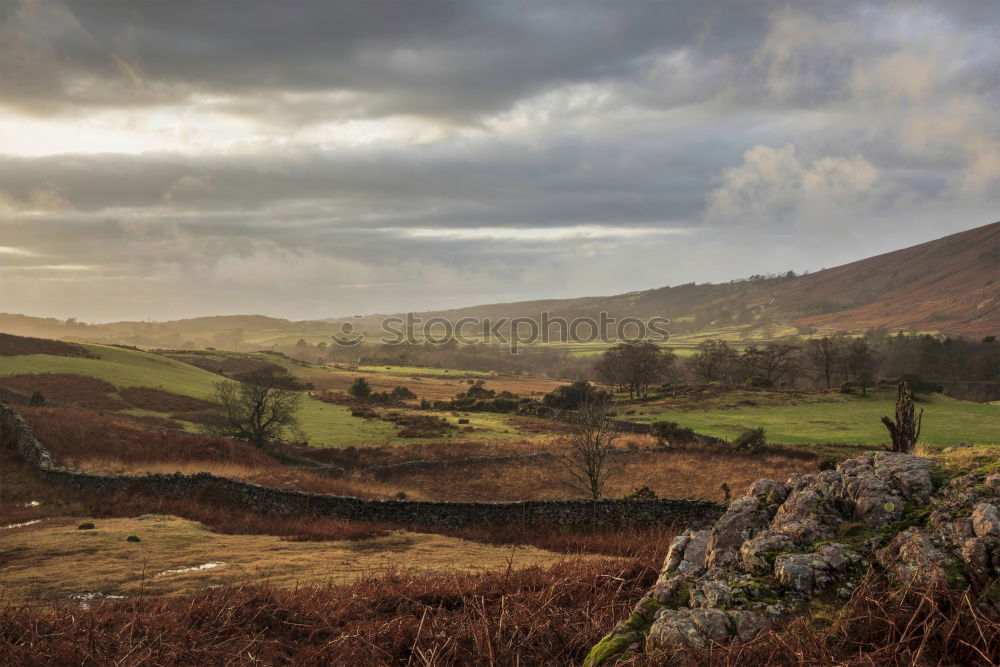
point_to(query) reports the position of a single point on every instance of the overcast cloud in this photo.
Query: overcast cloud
(315, 159)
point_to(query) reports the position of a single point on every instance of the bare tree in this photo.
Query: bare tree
(713, 361)
(824, 353)
(774, 362)
(258, 409)
(861, 363)
(635, 367)
(587, 453)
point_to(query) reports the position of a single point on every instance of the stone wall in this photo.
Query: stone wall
(601, 513)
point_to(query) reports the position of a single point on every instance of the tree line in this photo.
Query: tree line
(961, 368)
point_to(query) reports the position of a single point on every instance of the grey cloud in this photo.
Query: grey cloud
(775, 135)
(435, 57)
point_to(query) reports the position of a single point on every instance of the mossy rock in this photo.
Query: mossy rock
(632, 630)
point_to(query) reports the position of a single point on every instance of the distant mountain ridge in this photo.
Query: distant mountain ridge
(951, 285)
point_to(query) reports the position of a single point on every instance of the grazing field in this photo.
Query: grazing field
(120, 367)
(834, 418)
(55, 561)
(97, 382)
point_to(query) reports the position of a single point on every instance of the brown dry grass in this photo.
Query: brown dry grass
(158, 400)
(86, 392)
(76, 435)
(432, 388)
(54, 560)
(12, 346)
(534, 616)
(880, 625)
(277, 475)
(691, 472)
(529, 616)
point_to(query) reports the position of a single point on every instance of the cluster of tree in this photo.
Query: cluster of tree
(961, 368)
(824, 360)
(635, 367)
(480, 398)
(362, 391)
(479, 357)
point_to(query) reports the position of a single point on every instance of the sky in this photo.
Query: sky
(161, 160)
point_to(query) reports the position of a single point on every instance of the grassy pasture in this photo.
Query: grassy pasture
(121, 367)
(321, 423)
(836, 418)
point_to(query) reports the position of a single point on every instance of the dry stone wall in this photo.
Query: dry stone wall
(569, 513)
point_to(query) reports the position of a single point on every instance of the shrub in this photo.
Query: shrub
(402, 394)
(759, 382)
(133, 538)
(846, 387)
(828, 463)
(751, 441)
(37, 400)
(670, 431)
(360, 389)
(86, 525)
(641, 493)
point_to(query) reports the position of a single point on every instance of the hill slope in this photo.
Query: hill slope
(951, 284)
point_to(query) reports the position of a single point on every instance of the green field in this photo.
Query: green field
(847, 419)
(121, 367)
(321, 424)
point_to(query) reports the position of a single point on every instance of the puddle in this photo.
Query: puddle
(195, 568)
(21, 525)
(83, 600)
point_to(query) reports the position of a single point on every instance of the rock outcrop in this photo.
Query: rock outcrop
(786, 542)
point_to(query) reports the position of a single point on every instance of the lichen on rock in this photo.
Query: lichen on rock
(783, 543)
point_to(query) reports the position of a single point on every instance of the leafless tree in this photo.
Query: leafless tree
(635, 367)
(774, 361)
(587, 454)
(258, 409)
(823, 354)
(713, 361)
(861, 362)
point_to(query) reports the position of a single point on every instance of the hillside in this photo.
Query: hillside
(951, 285)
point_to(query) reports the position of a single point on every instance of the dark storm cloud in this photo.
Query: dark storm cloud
(441, 152)
(436, 57)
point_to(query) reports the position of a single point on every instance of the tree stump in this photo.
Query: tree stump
(906, 429)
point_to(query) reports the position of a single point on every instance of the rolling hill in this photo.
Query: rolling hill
(950, 285)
